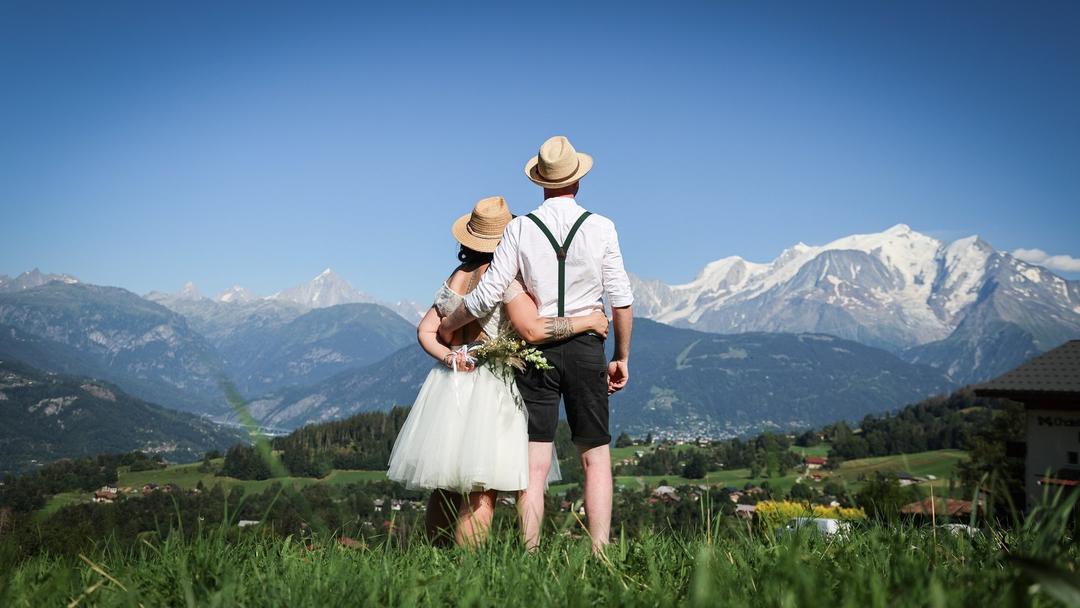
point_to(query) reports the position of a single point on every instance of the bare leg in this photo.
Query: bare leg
(531, 501)
(442, 509)
(474, 519)
(598, 491)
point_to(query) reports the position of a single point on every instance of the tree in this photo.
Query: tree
(807, 439)
(624, 441)
(695, 466)
(882, 496)
(801, 492)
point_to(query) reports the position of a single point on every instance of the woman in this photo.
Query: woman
(467, 434)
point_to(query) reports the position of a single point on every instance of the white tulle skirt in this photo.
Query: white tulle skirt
(467, 431)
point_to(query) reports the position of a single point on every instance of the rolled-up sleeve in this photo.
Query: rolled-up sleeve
(504, 267)
(616, 283)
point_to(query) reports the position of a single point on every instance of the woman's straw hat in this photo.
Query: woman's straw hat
(482, 229)
(558, 164)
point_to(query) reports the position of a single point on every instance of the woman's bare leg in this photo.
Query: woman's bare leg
(442, 510)
(474, 519)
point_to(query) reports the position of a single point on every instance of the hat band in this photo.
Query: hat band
(481, 235)
(551, 178)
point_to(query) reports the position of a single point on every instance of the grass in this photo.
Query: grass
(821, 449)
(723, 563)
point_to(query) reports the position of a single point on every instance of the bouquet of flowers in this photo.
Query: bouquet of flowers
(510, 350)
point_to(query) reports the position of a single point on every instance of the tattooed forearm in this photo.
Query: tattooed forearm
(558, 328)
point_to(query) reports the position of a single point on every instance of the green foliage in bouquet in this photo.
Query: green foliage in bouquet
(511, 350)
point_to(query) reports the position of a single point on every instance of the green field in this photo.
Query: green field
(821, 449)
(187, 476)
(939, 463)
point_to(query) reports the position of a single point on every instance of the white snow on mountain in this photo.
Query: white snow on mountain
(189, 293)
(898, 288)
(236, 295)
(327, 289)
(32, 278)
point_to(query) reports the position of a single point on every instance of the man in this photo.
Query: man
(569, 260)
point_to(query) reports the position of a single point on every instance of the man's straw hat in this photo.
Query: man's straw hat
(558, 164)
(482, 229)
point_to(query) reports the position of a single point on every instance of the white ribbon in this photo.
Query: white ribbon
(462, 350)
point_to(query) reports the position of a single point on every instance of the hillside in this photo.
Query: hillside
(52, 416)
(694, 382)
(112, 334)
(682, 381)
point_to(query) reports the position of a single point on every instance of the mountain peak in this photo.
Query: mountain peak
(33, 278)
(899, 229)
(189, 292)
(326, 289)
(236, 295)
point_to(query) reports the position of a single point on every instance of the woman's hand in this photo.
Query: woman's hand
(459, 361)
(598, 323)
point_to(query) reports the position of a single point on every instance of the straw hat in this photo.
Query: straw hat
(558, 164)
(482, 229)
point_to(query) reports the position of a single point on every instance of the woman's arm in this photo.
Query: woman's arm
(429, 341)
(537, 330)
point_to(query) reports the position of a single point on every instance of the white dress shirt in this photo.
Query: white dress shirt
(594, 264)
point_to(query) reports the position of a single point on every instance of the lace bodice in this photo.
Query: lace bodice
(447, 300)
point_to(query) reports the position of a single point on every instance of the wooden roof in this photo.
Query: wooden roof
(1052, 376)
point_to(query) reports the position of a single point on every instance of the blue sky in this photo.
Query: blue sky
(147, 144)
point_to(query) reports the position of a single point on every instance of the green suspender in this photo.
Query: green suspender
(560, 252)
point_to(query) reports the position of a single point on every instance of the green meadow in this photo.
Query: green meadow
(721, 564)
(938, 463)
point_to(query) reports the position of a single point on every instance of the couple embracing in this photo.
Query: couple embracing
(481, 425)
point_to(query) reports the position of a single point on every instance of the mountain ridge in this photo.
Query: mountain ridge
(898, 289)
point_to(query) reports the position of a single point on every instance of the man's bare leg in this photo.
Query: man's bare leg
(598, 492)
(531, 501)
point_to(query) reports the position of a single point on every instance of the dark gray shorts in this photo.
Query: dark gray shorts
(579, 380)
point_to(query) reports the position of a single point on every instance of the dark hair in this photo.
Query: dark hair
(471, 257)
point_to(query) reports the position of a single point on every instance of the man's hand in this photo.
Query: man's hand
(618, 374)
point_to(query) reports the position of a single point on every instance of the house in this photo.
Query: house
(1049, 387)
(378, 502)
(149, 487)
(665, 493)
(907, 479)
(941, 507)
(814, 462)
(106, 494)
(745, 511)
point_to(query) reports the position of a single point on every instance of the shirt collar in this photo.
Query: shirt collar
(560, 202)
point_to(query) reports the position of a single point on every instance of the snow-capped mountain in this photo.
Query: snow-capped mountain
(236, 295)
(32, 278)
(897, 289)
(327, 289)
